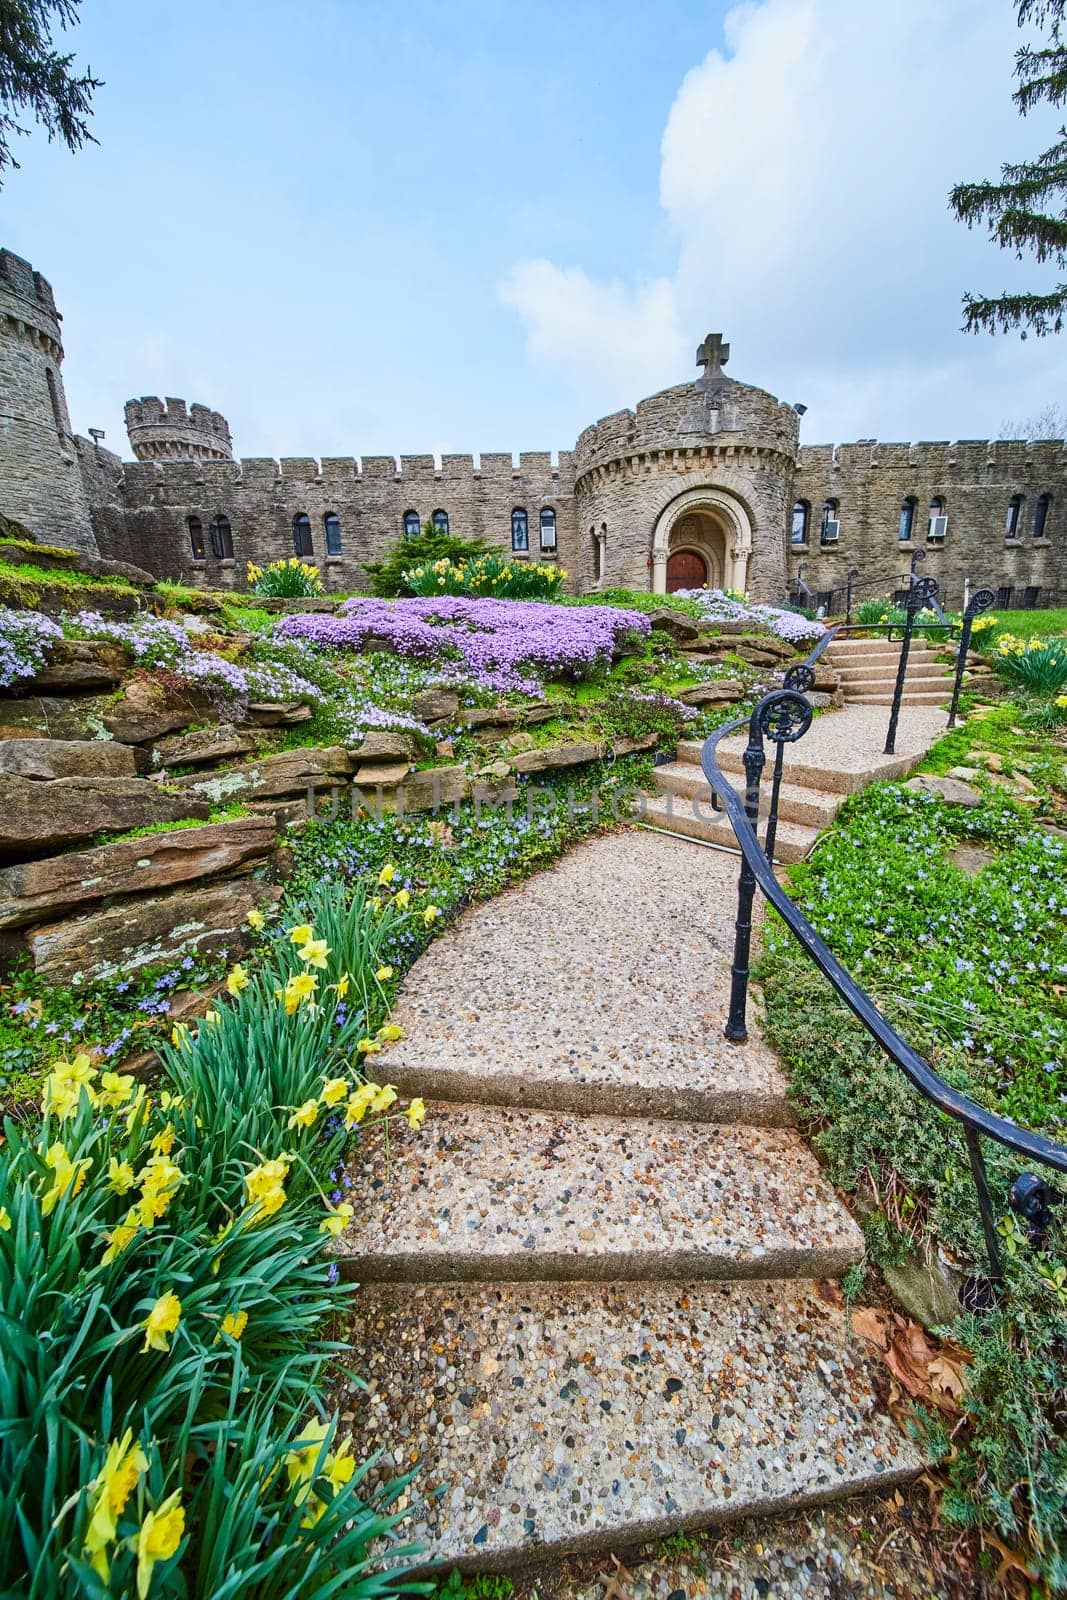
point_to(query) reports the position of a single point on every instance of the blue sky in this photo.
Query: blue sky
(372, 228)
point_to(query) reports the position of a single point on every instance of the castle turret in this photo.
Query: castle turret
(40, 479)
(171, 431)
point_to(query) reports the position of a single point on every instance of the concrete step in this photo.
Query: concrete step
(888, 670)
(879, 683)
(554, 1417)
(816, 808)
(877, 695)
(507, 1194)
(599, 985)
(851, 647)
(793, 840)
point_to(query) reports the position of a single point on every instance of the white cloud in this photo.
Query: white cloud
(805, 174)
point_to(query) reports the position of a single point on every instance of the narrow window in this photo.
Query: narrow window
(196, 538)
(1004, 595)
(801, 516)
(938, 523)
(907, 518)
(221, 539)
(1041, 515)
(1014, 517)
(520, 532)
(412, 525)
(1031, 596)
(597, 554)
(440, 521)
(548, 528)
(302, 545)
(331, 527)
(53, 395)
(831, 526)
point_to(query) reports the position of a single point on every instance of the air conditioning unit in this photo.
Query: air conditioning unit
(937, 528)
(830, 531)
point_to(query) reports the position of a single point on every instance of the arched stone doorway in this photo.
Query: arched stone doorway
(712, 529)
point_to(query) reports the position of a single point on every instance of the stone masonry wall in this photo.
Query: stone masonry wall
(260, 498)
(40, 482)
(976, 480)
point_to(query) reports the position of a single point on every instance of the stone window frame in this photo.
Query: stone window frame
(909, 509)
(1042, 507)
(1013, 518)
(831, 513)
(938, 513)
(221, 537)
(804, 507)
(439, 518)
(195, 529)
(303, 543)
(331, 533)
(546, 518)
(520, 531)
(411, 524)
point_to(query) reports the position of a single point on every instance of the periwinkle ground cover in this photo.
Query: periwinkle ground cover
(502, 644)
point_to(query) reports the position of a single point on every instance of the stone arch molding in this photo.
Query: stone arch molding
(732, 512)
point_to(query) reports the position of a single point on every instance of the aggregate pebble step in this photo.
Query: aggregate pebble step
(793, 841)
(600, 985)
(489, 1192)
(912, 683)
(796, 803)
(554, 1417)
(875, 669)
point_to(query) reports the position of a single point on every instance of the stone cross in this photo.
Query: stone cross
(713, 356)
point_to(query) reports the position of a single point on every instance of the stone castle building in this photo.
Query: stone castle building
(704, 483)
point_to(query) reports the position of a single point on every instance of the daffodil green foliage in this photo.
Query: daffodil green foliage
(1036, 665)
(495, 575)
(163, 1293)
(292, 578)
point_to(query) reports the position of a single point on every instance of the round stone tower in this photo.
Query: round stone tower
(40, 479)
(692, 489)
(170, 431)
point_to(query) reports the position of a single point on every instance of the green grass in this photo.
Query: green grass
(1027, 623)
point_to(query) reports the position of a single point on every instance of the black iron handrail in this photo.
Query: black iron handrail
(784, 716)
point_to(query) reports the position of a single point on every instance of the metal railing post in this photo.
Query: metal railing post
(922, 590)
(853, 573)
(980, 601)
(754, 758)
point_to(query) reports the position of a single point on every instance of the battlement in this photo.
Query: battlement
(535, 466)
(938, 460)
(170, 430)
(18, 277)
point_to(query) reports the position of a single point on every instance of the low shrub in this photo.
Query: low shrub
(281, 579)
(494, 575)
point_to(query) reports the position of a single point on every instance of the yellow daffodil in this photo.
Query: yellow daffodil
(264, 1185)
(121, 1239)
(234, 1324)
(257, 921)
(120, 1175)
(163, 1142)
(416, 1113)
(299, 988)
(300, 1463)
(5, 1220)
(403, 899)
(333, 1090)
(390, 1032)
(158, 1539)
(314, 952)
(115, 1089)
(387, 874)
(160, 1178)
(337, 1219)
(383, 974)
(342, 985)
(304, 1116)
(161, 1321)
(368, 1047)
(236, 980)
(211, 1017)
(384, 1098)
(180, 1035)
(359, 1104)
(69, 1175)
(301, 933)
(376, 902)
(64, 1085)
(110, 1489)
(430, 914)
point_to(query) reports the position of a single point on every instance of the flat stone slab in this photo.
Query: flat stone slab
(600, 985)
(495, 1193)
(551, 1417)
(46, 759)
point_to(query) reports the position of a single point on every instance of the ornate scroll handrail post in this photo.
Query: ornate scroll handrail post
(922, 590)
(980, 601)
(853, 574)
(782, 716)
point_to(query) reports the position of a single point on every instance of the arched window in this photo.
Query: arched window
(938, 523)
(331, 527)
(302, 545)
(520, 531)
(1014, 517)
(801, 518)
(196, 538)
(907, 518)
(221, 539)
(440, 521)
(1041, 515)
(548, 528)
(412, 525)
(831, 525)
